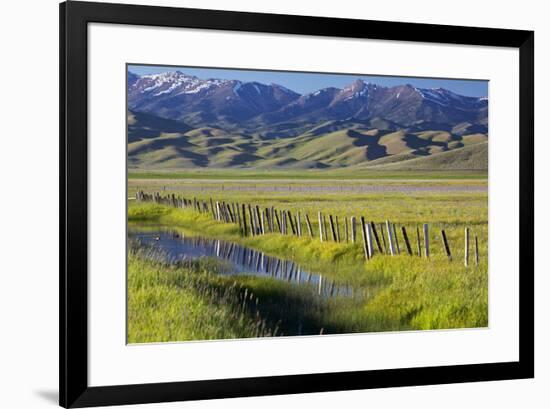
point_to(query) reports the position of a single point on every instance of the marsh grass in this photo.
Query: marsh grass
(398, 293)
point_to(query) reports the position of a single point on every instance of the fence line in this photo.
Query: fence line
(252, 220)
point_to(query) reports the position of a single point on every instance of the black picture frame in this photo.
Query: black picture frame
(73, 379)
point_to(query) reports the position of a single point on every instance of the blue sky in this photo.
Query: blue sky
(309, 82)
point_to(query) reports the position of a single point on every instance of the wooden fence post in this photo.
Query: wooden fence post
(252, 223)
(337, 230)
(291, 221)
(418, 242)
(320, 226)
(244, 220)
(406, 239)
(395, 237)
(262, 222)
(466, 246)
(325, 227)
(278, 221)
(390, 238)
(383, 238)
(446, 245)
(376, 237)
(332, 227)
(218, 213)
(353, 229)
(364, 235)
(346, 229)
(308, 222)
(299, 224)
(476, 251)
(426, 241)
(370, 244)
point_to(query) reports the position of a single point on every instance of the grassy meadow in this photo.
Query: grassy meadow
(196, 301)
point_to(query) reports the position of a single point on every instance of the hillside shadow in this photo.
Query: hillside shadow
(374, 149)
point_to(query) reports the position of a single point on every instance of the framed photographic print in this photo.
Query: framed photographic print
(259, 204)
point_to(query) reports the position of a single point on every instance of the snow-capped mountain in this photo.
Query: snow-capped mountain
(198, 102)
(175, 95)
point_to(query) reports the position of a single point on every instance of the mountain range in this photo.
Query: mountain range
(179, 121)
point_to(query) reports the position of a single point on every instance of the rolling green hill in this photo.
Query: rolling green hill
(156, 143)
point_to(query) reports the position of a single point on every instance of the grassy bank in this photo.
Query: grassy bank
(403, 292)
(192, 302)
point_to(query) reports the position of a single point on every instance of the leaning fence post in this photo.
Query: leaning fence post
(291, 221)
(332, 227)
(279, 224)
(251, 218)
(310, 230)
(337, 230)
(466, 246)
(320, 226)
(370, 244)
(446, 244)
(364, 235)
(396, 239)
(426, 241)
(390, 238)
(383, 238)
(406, 238)
(218, 213)
(376, 237)
(299, 224)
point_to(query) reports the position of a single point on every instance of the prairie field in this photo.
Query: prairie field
(196, 298)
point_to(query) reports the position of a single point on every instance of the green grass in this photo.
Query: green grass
(194, 302)
(403, 292)
(349, 174)
(175, 303)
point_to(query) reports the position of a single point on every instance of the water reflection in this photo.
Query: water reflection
(239, 260)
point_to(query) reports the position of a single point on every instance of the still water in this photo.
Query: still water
(238, 260)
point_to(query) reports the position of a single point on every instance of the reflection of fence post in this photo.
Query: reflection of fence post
(390, 238)
(406, 239)
(476, 251)
(446, 245)
(320, 226)
(466, 246)
(426, 241)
